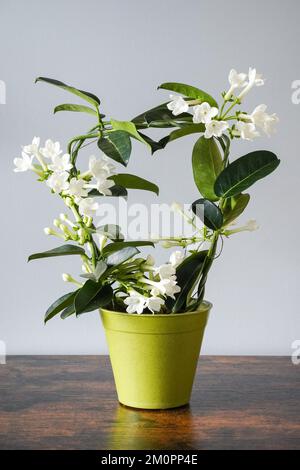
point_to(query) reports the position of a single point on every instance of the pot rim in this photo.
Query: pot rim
(204, 307)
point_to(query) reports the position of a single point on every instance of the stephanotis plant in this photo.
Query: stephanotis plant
(115, 275)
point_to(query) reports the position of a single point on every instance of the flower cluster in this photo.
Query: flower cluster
(154, 284)
(217, 121)
(163, 284)
(55, 167)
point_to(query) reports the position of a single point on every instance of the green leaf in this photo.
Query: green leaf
(85, 95)
(120, 256)
(77, 108)
(67, 312)
(161, 117)
(63, 250)
(134, 182)
(234, 207)
(152, 143)
(116, 191)
(92, 296)
(117, 246)
(116, 145)
(59, 305)
(184, 131)
(189, 91)
(129, 127)
(209, 213)
(244, 172)
(187, 274)
(207, 165)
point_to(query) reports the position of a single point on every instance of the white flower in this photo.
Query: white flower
(154, 304)
(270, 124)
(101, 168)
(236, 80)
(250, 226)
(33, 148)
(254, 79)
(247, 130)
(178, 105)
(150, 261)
(176, 258)
(24, 163)
(88, 206)
(266, 122)
(215, 129)
(165, 271)
(51, 149)
(76, 188)
(166, 287)
(61, 164)
(103, 186)
(204, 113)
(58, 182)
(135, 303)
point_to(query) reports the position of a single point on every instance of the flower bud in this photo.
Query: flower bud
(66, 277)
(48, 231)
(68, 201)
(56, 223)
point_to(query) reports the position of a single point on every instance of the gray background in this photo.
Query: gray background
(122, 50)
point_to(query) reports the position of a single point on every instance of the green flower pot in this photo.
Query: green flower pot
(154, 357)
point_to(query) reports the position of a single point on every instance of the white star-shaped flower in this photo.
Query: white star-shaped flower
(60, 163)
(88, 206)
(177, 105)
(51, 149)
(23, 163)
(215, 129)
(204, 113)
(58, 182)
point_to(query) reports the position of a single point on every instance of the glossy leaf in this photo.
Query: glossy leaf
(189, 91)
(161, 117)
(116, 145)
(234, 207)
(67, 312)
(134, 182)
(187, 273)
(209, 213)
(153, 144)
(120, 256)
(59, 305)
(63, 250)
(92, 296)
(116, 191)
(77, 108)
(207, 165)
(129, 127)
(85, 95)
(117, 246)
(244, 172)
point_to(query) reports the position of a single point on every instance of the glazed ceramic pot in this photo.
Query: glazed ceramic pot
(154, 357)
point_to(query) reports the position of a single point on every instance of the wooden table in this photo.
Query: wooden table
(69, 402)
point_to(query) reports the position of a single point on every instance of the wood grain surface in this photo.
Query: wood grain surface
(69, 402)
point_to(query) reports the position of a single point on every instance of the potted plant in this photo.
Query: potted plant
(154, 316)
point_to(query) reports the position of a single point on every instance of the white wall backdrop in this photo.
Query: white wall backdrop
(122, 50)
